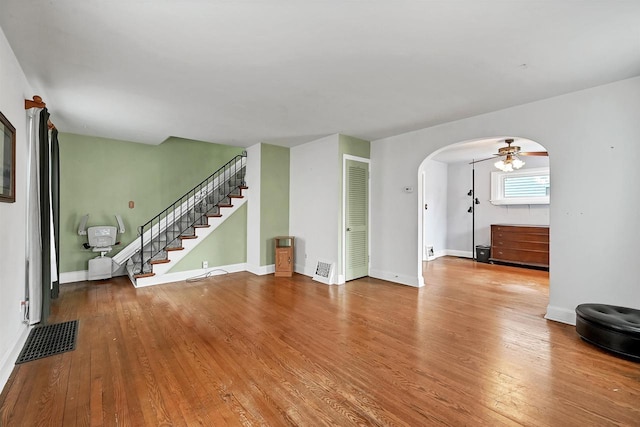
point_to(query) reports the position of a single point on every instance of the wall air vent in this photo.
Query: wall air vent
(324, 272)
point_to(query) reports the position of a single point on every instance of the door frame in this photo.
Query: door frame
(343, 232)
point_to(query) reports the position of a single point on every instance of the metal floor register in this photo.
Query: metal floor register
(44, 341)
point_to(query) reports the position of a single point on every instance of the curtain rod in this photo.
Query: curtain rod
(37, 102)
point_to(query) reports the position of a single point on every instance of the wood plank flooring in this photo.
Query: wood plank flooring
(470, 348)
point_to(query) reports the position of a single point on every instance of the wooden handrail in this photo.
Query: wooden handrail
(37, 102)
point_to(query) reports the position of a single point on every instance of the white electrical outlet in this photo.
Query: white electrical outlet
(205, 264)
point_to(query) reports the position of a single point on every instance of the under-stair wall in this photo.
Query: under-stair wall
(167, 272)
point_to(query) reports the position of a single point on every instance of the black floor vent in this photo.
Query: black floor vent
(44, 341)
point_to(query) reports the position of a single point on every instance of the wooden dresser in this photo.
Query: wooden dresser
(520, 244)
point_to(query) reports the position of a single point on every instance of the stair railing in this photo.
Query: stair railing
(165, 229)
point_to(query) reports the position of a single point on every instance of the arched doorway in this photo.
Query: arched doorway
(456, 205)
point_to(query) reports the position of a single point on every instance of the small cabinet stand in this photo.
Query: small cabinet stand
(284, 256)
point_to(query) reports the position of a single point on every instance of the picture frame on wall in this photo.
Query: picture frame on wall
(7, 161)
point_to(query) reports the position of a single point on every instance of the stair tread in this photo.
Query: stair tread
(201, 226)
(140, 276)
(225, 205)
(189, 236)
(177, 248)
(236, 196)
(159, 261)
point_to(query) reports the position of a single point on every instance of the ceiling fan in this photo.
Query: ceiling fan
(511, 156)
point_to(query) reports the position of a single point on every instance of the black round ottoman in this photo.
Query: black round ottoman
(613, 328)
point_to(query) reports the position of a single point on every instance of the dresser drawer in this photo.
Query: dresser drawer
(521, 256)
(516, 244)
(521, 229)
(517, 236)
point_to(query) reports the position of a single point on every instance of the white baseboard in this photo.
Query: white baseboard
(462, 254)
(302, 269)
(436, 255)
(396, 278)
(8, 359)
(261, 270)
(562, 315)
(83, 275)
(179, 276)
(73, 276)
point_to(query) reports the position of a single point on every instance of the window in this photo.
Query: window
(523, 187)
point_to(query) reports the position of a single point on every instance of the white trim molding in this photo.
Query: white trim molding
(179, 276)
(261, 270)
(73, 276)
(461, 254)
(396, 278)
(8, 359)
(560, 314)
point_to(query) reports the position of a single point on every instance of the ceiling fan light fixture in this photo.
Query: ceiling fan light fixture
(504, 166)
(509, 164)
(517, 163)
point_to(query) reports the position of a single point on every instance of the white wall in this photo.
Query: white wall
(460, 222)
(252, 177)
(459, 230)
(592, 137)
(435, 196)
(315, 202)
(14, 88)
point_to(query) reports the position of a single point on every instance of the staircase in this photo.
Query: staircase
(170, 235)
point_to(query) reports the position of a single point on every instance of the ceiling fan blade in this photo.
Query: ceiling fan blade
(533, 153)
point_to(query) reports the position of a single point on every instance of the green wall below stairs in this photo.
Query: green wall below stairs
(225, 246)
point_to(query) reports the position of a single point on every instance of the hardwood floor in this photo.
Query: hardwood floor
(470, 348)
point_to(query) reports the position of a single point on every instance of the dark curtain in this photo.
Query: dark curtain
(45, 212)
(55, 204)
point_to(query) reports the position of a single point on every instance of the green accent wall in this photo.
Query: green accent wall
(354, 147)
(274, 198)
(225, 246)
(99, 177)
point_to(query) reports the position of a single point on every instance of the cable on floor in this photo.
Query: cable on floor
(205, 275)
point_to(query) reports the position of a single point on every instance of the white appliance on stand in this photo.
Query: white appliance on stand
(100, 240)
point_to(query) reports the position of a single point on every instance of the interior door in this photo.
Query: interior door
(356, 219)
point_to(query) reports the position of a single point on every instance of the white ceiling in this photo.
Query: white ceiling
(289, 71)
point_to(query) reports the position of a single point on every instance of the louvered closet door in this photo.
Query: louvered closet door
(357, 220)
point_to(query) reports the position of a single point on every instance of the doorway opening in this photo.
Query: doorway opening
(458, 203)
